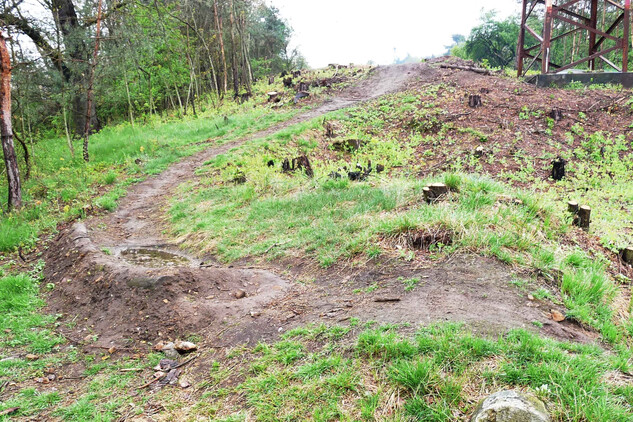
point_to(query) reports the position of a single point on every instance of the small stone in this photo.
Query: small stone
(111, 350)
(510, 406)
(159, 374)
(255, 314)
(184, 384)
(530, 297)
(239, 294)
(165, 301)
(557, 316)
(184, 346)
(32, 357)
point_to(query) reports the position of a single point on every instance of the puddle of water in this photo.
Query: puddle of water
(153, 258)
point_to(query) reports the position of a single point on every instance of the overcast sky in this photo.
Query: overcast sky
(356, 31)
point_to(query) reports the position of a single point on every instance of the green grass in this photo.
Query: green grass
(60, 185)
(439, 373)
(23, 327)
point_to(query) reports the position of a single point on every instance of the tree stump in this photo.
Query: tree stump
(434, 192)
(329, 130)
(303, 162)
(271, 80)
(556, 114)
(584, 217)
(288, 82)
(627, 255)
(572, 207)
(558, 169)
(474, 101)
(303, 86)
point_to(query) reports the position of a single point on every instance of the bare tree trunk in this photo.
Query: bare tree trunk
(236, 83)
(218, 25)
(129, 99)
(6, 129)
(90, 93)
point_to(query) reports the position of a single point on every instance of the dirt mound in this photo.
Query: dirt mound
(120, 301)
(118, 276)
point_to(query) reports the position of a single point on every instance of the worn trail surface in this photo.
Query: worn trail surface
(145, 288)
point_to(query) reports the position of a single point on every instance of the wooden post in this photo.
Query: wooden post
(547, 36)
(572, 207)
(6, 128)
(584, 217)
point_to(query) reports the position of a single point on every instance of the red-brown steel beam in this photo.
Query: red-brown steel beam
(626, 35)
(547, 36)
(521, 43)
(593, 23)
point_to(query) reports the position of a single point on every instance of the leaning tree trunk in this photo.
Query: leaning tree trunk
(6, 130)
(91, 81)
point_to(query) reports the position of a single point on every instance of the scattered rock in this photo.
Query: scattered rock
(166, 365)
(255, 314)
(239, 294)
(300, 95)
(32, 357)
(184, 384)
(168, 349)
(184, 346)
(510, 406)
(557, 316)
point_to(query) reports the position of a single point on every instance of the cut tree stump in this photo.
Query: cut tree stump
(273, 96)
(434, 192)
(556, 114)
(572, 207)
(558, 168)
(271, 80)
(627, 255)
(474, 101)
(329, 130)
(584, 217)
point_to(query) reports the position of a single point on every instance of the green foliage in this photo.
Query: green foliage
(493, 41)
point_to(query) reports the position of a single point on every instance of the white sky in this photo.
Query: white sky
(356, 31)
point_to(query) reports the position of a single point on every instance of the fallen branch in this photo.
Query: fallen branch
(387, 299)
(479, 70)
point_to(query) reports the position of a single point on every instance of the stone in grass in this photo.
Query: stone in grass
(510, 406)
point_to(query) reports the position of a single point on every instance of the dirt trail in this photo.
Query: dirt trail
(116, 271)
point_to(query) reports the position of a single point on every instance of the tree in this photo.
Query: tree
(493, 40)
(6, 128)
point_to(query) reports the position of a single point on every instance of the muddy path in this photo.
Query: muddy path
(125, 281)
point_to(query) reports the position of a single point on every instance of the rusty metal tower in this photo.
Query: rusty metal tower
(567, 11)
